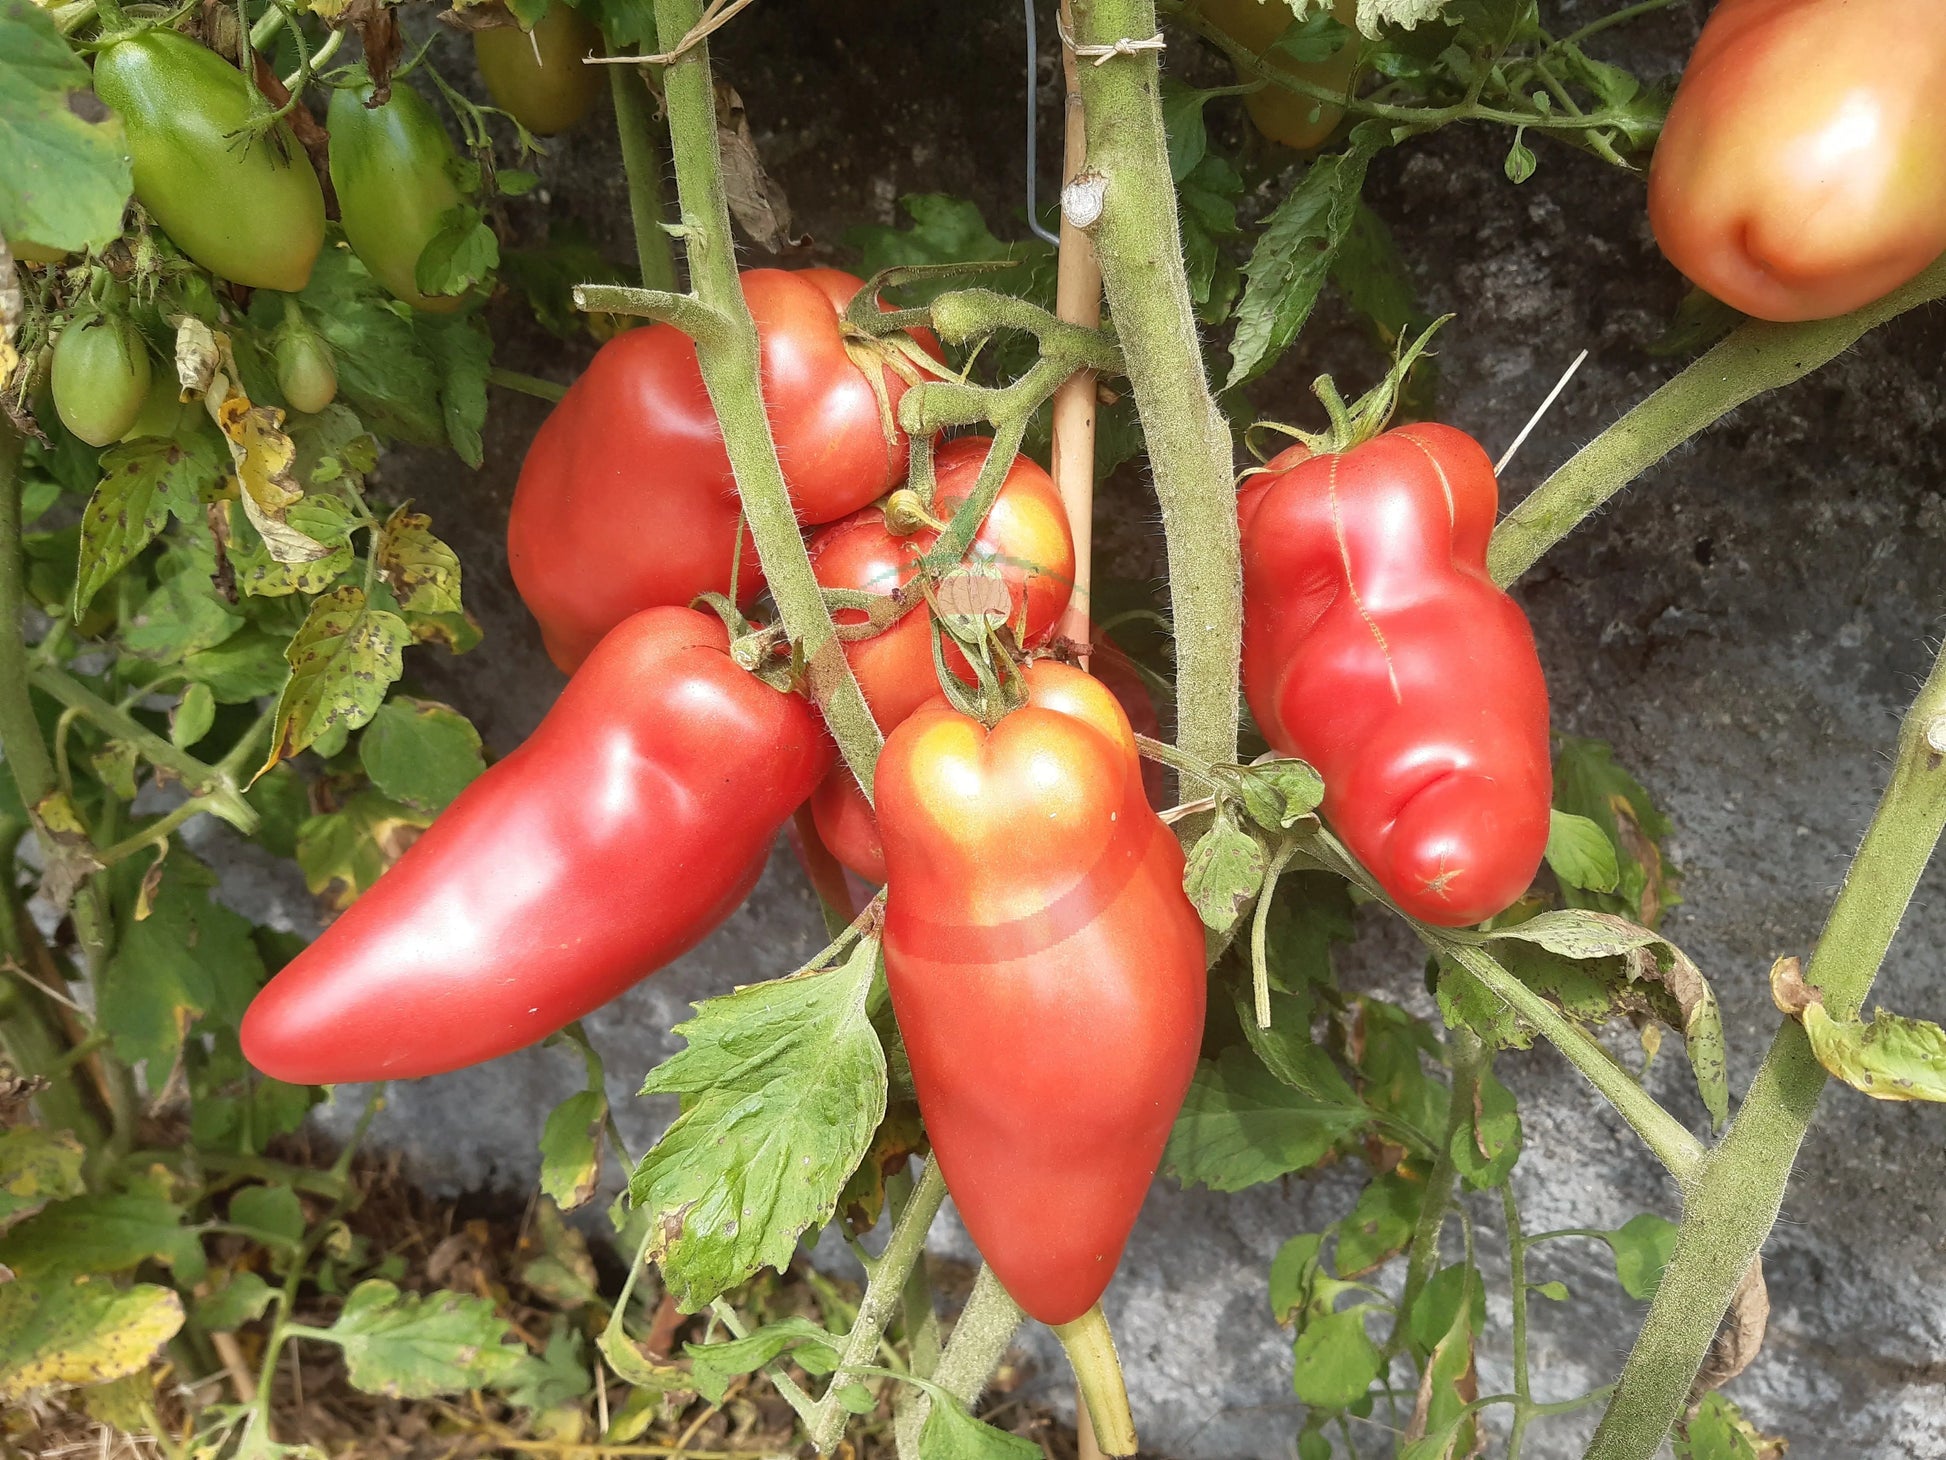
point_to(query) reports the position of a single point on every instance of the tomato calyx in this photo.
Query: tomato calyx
(971, 606)
(906, 512)
(1353, 424)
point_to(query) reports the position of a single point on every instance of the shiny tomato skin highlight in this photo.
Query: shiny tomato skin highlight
(633, 821)
(626, 499)
(1798, 175)
(1376, 647)
(1025, 535)
(1046, 969)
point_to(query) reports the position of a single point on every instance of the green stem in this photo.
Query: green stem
(20, 733)
(640, 160)
(986, 1327)
(1731, 1208)
(1517, 1278)
(1422, 1257)
(220, 790)
(1757, 356)
(1098, 1376)
(1139, 241)
(882, 1296)
(532, 385)
(730, 371)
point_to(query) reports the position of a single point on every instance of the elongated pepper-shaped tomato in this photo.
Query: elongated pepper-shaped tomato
(1047, 974)
(626, 499)
(630, 824)
(1376, 647)
(1798, 175)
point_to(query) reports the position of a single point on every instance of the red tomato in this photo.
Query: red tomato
(1798, 175)
(1376, 647)
(846, 825)
(630, 824)
(1025, 535)
(626, 499)
(1047, 974)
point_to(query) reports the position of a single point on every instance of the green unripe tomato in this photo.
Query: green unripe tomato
(101, 377)
(164, 412)
(305, 372)
(538, 77)
(251, 212)
(393, 170)
(1286, 116)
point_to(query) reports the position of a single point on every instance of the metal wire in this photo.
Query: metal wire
(1033, 129)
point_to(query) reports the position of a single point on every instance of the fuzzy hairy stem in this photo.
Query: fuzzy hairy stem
(1139, 242)
(731, 372)
(1756, 357)
(980, 1338)
(653, 255)
(1734, 1202)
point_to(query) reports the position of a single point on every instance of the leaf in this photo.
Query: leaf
(563, 1273)
(342, 659)
(241, 1300)
(1277, 793)
(273, 1211)
(191, 958)
(1336, 1360)
(1182, 123)
(1485, 1147)
(1380, 1225)
(1289, 1053)
(343, 852)
(783, 1085)
(244, 667)
(461, 252)
(1580, 853)
(143, 484)
(1587, 782)
(1293, 254)
(420, 752)
(1224, 872)
(323, 518)
(571, 1147)
(115, 765)
(386, 371)
(1207, 206)
(1718, 1431)
(558, 1376)
(406, 1346)
(102, 1234)
(36, 1167)
(545, 277)
(945, 230)
(461, 351)
(184, 615)
(67, 177)
(1241, 1126)
(1891, 1058)
(1739, 1334)
(951, 1433)
(1642, 1246)
(264, 456)
(421, 570)
(192, 716)
(1446, 1381)
(78, 1328)
(714, 1365)
(1520, 163)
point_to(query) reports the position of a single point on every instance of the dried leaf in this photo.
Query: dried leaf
(756, 201)
(1738, 1336)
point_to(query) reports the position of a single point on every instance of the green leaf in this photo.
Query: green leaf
(1293, 1272)
(67, 176)
(274, 1211)
(244, 667)
(571, 1147)
(1587, 782)
(241, 1300)
(1392, 1071)
(1438, 1308)
(79, 1328)
(1224, 872)
(1380, 1225)
(462, 352)
(1336, 1360)
(143, 484)
(343, 852)
(545, 276)
(1240, 1126)
(1580, 853)
(1207, 200)
(342, 660)
(1554, 1292)
(1718, 1431)
(324, 518)
(191, 958)
(950, 1433)
(184, 614)
(420, 752)
(192, 716)
(1293, 254)
(1289, 1053)
(1642, 1246)
(461, 252)
(783, 1084)
(386, 372)
(1182, 123)
(108, 1233)
(1520, 163)
(558, 1376)
(1278, 793)
(563, 1273)
(423, 573)
(115, 765)
(1891, 1058)
(1445, 1381)
(945, 230)
(1486, 1146)
(36, 1167)
(714, 1365)
(406, 1346)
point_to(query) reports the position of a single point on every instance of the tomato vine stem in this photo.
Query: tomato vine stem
(1733, 1205)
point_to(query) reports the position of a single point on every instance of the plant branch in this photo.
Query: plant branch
(883, 1294)
(731, 373)
(685, 311)
(1138, 239)
(633, 124)
(533, 385)
(20, 732)
(1757, 356)
(1422, 1256)
(980, 1339)
(1732, 1207)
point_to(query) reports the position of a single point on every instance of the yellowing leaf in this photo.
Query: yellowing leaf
(422, 571)
(77, 1329)
(342, 659)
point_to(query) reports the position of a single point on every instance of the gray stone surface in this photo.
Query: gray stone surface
(1744, 624)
